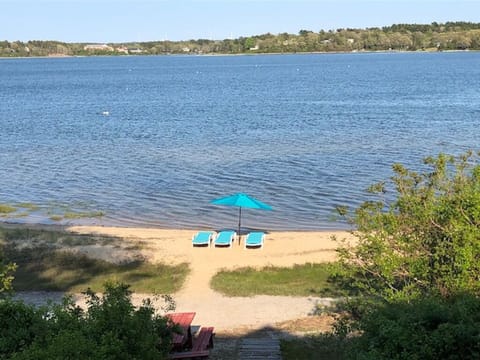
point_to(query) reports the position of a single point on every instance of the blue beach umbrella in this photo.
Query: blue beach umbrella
(241, 200)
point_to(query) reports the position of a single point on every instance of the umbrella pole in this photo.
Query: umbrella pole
(239, 222)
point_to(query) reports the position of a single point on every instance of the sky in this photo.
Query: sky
(110, 21)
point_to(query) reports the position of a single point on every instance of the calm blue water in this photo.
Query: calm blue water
(302, 133)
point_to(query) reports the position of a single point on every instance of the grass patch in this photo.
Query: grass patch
(300, 280)
(61, 238)
(318, 347)
(46, 269)
(22, 234)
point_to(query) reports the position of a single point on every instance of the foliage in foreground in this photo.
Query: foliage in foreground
(314, 347)
(415, 265)
(6, 276)
(426, 241)
(7, 269)
(424, 329)
(110, 328)
(429, 328)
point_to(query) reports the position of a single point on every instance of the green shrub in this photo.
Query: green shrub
(415, 264)
(110, 328)
(428, 328)
(18, 324)
(7, 269)
(423, 237)
(314, 347)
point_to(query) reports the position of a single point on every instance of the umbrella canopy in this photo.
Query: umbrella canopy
(241, 201)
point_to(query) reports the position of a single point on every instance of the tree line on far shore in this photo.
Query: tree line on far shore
(398, 37)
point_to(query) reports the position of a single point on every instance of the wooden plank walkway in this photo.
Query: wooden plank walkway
(260, 348)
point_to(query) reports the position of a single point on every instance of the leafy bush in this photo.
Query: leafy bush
(415, 265)
(110, 328)
(427, 240)
(6, 276)
(314, 347)
(428, 328)
(18, 325)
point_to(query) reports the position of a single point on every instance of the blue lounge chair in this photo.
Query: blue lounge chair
(255, 240)
(202, 238)
(225, 238)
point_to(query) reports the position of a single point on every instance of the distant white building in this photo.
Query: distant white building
(97, 47)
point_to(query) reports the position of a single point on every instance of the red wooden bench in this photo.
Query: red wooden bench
(204, 339)
(183, 320)
(200, 348)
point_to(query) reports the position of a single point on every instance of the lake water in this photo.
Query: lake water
(151, 140)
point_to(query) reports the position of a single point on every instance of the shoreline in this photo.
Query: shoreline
(114, 224)
(386, 51)
(174, 246)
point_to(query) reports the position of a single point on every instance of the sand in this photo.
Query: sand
(172, 246)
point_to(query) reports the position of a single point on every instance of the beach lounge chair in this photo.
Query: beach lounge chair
(202, 238)
(225, 238)
(255, 240)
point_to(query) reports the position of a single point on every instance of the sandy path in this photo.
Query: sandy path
(214, 309)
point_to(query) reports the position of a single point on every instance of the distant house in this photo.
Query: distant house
(122, 49)
(97, 47)
(254, 48)
(135, 51)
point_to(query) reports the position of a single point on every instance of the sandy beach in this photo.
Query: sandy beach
(173, 246)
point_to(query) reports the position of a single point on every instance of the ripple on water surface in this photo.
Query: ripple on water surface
(303, 133)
